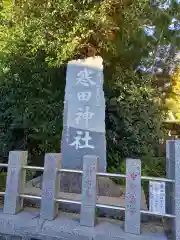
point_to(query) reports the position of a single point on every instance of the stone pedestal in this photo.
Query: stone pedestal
(71, 183)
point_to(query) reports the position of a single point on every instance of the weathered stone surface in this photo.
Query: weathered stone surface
(15, 181)
(116, 201)
(89, 196)
(28, 224)
(133, 196)
(84, 113)
(170, 171)
(74, 156)
(173, 194)
(50, 187)
(84, 118)
(72, 184)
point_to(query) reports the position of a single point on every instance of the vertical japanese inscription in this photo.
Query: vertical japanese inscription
(84, 127)
(133, 174)
(133, 196)
(157, 197)
(82, 138)
(87, 216)
(88, 181)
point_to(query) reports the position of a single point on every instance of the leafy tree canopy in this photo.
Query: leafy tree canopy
(37, 40)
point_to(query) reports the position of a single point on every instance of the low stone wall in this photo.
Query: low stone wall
(27, 225)
(49, 222)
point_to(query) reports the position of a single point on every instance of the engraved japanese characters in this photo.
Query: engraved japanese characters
(84, 114)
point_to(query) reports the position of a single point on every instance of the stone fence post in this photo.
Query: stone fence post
(173, 190)
(15, 182)
(50, 186)
(133, 196)
(89, 193)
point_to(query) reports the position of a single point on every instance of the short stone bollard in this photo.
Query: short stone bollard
(173, 190)
(89, 196)
(15, 182)
(50, 186)
(133, 196)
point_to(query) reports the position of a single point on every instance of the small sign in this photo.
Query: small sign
(157, 194)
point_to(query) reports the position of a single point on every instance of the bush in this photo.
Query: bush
(39, 38)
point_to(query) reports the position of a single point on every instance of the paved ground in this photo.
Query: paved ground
(156, 226)
(68, 223)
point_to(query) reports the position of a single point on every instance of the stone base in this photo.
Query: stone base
(106, 187)
(72, 183)
(28, 225)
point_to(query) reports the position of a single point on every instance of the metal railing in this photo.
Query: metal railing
(17, 165)
(112, 175)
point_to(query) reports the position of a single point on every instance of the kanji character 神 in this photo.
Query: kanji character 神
(86, 115)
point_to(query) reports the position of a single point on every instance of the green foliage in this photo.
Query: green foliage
(173, 99)
(37, 40)
(31, 104)
(132, 105)
(3, 176)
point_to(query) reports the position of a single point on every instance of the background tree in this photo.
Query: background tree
(37, 40)
(173, 97)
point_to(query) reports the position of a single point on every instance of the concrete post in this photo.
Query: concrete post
(50, 186)
(133, 196)
(15, 182)
(89, 196)
(173, 190)
(170, 173)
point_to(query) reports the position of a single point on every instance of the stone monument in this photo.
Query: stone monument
(84, 124)
(84, 114)
(84, 134)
